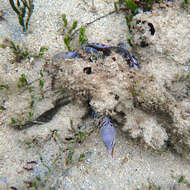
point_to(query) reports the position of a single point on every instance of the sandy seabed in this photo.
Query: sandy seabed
(151, 115)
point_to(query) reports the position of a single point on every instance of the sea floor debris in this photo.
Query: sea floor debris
(95, 49)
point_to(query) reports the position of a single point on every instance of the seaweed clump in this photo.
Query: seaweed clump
(68, 36)
(70, 31)
(24, 10)
(132, 7)
(20, 53)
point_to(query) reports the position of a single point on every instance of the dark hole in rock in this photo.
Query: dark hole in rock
(152, 30)
(143, 44)
(69, 138)
(13, 188)
(113, 58)
(87, 70)
(140, 21)
(116, 97)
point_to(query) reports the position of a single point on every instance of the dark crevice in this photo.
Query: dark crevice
(87, 70)
(151, 26)
(152, 30)
(143, 44)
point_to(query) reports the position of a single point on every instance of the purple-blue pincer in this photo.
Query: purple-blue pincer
(107, 133)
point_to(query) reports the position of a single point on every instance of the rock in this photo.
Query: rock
(153, 134)
(114, 89)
